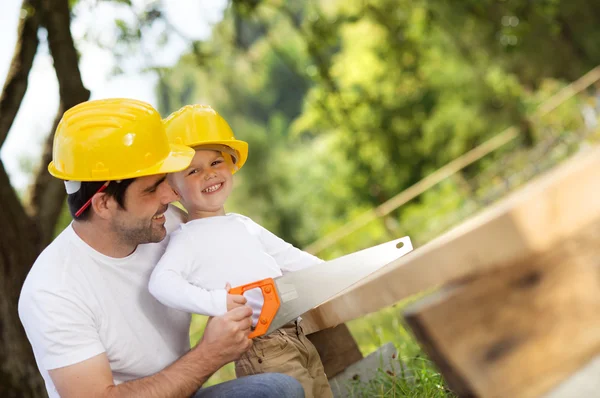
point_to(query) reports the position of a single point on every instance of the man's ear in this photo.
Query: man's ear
(103, 205)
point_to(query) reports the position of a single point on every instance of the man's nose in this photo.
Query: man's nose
(168, 195)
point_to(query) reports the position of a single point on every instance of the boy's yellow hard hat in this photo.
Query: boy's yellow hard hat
(114, 139)
(200, 125)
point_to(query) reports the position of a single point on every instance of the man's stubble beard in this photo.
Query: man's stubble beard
(140, 232)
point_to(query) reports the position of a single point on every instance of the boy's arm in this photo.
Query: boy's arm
(171, 288)
(288, 257)
(169, 283)
(225, 339)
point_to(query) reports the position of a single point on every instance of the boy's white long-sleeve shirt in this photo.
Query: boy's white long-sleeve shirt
(204, 255)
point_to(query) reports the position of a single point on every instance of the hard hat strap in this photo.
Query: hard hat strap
(89, 201)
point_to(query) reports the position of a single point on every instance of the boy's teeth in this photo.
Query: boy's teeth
(213, 188)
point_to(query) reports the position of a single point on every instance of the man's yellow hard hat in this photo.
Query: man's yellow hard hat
(114, 139)
(201, 125)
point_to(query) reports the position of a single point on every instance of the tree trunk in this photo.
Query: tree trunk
(48, 193)
(23, 236)
(16, 80)
(19, 376)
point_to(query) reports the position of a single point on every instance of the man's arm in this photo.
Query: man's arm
(225, 339)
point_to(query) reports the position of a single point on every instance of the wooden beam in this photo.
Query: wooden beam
(530, 221)
(517, 331)
(337, 349)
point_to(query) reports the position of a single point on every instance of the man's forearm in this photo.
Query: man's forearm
(181, 379)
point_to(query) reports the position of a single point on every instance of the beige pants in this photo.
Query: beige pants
(288, 351)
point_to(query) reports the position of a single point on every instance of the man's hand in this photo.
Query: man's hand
(225, 337)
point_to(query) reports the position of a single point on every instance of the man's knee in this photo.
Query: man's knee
(277, 385)
(265, 385)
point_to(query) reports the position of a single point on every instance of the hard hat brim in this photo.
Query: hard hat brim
(178, 159)
(240, 146)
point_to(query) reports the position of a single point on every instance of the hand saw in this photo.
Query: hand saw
(291, 295)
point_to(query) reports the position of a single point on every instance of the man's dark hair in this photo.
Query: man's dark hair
(88, 189)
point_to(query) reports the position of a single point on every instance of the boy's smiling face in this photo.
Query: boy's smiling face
(205, 185)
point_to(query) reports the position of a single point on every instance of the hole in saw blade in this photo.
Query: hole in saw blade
(400, 245)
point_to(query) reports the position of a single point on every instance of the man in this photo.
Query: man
(94, 328)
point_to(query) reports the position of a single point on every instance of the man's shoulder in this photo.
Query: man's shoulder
(58, 265)
(50, 271)
(57, 255)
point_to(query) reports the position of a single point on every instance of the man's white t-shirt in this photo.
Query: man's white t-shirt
(205, 254)
(77, 303)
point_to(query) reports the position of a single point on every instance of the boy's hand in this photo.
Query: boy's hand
(234, 300)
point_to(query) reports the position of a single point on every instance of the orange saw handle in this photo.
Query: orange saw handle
(269, 308)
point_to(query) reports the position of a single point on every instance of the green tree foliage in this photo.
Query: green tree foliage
(347, 103)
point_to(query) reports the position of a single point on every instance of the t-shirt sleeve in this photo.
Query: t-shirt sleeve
(288, 257)
(170, 282)
(61, 329)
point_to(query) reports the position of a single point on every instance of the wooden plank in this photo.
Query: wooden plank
(530, 221)
(517, 331)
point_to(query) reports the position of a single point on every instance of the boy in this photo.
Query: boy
(215, 250)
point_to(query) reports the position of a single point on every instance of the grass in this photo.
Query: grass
(413, 374)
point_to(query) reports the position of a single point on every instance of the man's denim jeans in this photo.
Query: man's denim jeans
(266, 385)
